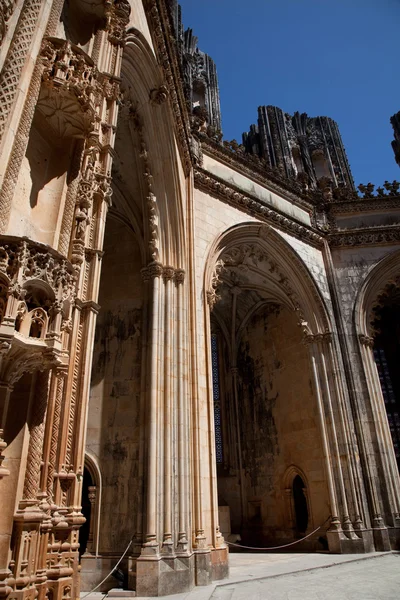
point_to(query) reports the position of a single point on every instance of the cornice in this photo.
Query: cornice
(165, 45)
(367, 236)
(262, 174)
(364, 205)
(231, 195)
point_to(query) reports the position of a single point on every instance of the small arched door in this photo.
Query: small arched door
(300, 505)
(85, 529)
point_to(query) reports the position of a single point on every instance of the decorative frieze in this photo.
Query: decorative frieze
(368, 236)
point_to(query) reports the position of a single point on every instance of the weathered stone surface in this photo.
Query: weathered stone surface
(195, 342)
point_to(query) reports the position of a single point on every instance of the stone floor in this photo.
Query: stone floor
(303, 577)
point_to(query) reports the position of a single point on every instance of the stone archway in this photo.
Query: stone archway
(278, 390)
(376, 319)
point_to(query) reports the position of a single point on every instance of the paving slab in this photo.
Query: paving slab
(319, 576)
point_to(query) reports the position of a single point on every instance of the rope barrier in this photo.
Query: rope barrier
(230, 544)
(282, 545)
(107, 576)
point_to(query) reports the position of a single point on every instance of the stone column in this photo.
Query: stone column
(168, 274)
(152, 275)
(183, 421)
(335, 532)
(384, 447)
(92, 494)
(5, 392)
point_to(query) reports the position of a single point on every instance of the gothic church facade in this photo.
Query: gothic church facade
(198, 338)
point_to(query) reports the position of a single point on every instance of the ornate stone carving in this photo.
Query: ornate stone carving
(135, 122)
(366, 236)
(40, 294)
(72, 88)
(212, 293)
(6, 10)
(159, 95)
(117, 14)
(36, 428)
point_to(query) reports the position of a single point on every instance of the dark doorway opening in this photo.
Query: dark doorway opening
(86, 511)
(300, 505)
(387, 358)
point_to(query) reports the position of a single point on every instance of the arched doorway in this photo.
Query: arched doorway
(387, 357)
(86, 530)
(265, 403)
(300, 505)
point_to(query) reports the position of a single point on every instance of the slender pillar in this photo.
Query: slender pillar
(384, 440)
(150, 546)
(92, 494)
(335, 528)
(167, 546)
(348, 527)
(183, 446)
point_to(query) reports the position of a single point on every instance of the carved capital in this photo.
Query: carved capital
(168, 273)
(179, 276)
(366, 340)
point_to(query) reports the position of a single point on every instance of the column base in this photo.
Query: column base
(359, 543)
(381, 539)
(94, 569)
(394, 537)
(164, 576)
(220, 563)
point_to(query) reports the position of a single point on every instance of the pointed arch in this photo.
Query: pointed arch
(93, 468)
(163, 198)
(294, 285)
(386, 271)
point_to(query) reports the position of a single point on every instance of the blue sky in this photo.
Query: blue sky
(339, 58)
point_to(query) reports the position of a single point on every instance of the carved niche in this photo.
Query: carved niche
(37, 292)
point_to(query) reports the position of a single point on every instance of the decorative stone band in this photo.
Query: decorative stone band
(168, 273)
(251, 166)
(317, 338)
(229, 194)
(367, 236)
(363, 205)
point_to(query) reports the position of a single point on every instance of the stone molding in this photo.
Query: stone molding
(164, 41)
(261, 174)
(368, 236)
(168, 273)
(218, 188)
(214, 186)
(364, 205)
